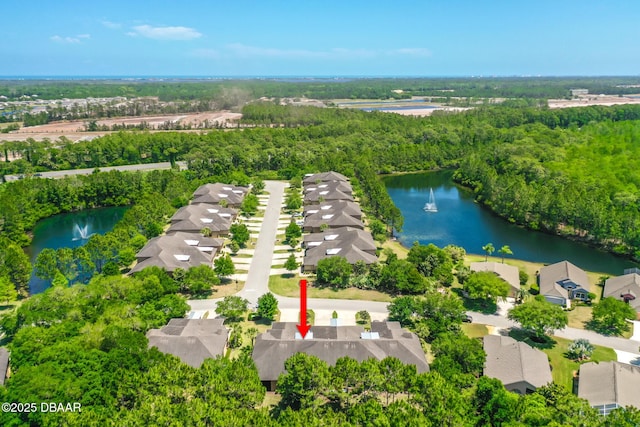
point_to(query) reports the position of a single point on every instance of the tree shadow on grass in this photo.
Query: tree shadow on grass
(479, 305)
(603, 329)
(533, 340)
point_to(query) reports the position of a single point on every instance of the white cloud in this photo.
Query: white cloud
(165, 33)
(111, 25)
(70, 40)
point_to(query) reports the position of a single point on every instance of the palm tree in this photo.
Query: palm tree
(505, 250)
(489, 249)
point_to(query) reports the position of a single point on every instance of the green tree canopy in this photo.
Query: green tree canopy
(334, 271)
(539, 317)
(267, 306)
(486, 285)
(223, 266)
(610, 316)
(232, 308)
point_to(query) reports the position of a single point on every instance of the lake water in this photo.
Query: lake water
(69, 230)
(463, 222)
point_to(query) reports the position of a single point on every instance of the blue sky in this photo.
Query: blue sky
(320, 38)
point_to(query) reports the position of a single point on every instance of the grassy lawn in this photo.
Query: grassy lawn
(579, 316)
(271, 400)
(562, 368)
(474, 330)
(529, 267)
(226, 289)
(396, 247)
(287, 286)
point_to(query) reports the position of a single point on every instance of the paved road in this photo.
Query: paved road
(89, 171)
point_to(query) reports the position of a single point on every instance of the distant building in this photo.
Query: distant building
(520, 367)
(314, 223)
(578, 92)
(192, 340)
(609, 385)
(329, 343)
(562, 282)
(506, 272)
(351, 243)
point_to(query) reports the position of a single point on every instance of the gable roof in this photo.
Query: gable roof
(329, 343)
(192, 340)
(325, 195)
(348, 207)
(551, 275)
(215, 193)
(177, 250)
(332, 219)
(359, 238)
(506, 272)
(610, 382)
(628, 284)
(348, 251)
(194, 218)
(323, 177)
(342, 186)
(513, 361)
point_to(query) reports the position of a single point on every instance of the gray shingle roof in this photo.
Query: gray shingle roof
(359, 238)
(192, 340)
(342, 186)
(324, 177)
(551, 275)
(513, 362)
(193, 218)
(628, 284)
(610, 382)
(215, 193)
(177, 250)
(336, 219)
(330, 343)
(351, 253)
(318, 195)
(346, 206)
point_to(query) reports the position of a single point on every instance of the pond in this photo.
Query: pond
(69, 230)
(463, 222)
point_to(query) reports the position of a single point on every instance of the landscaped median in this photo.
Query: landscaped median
(289, 286)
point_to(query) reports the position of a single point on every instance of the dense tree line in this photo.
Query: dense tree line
(380, 88)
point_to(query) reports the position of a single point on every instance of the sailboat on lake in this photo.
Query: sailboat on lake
(430, 206)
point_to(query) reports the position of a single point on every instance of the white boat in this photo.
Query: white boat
(430, 206)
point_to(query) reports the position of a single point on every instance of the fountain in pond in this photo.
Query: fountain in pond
(81, 233)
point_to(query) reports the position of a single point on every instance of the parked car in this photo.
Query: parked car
(467, 319)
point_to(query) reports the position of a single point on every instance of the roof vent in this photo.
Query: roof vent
(192, 242)
(326, 207)
(328, 216)
(309, 336)
(314, 244)
(333, 251)
(182, 257)
(226, 188)
(370, 336)
(206, 220)
(331, 237)
(213, 210)
(223, 195)
(324, 192)
(312, 211)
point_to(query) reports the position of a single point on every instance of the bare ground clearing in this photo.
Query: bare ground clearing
(75, 130)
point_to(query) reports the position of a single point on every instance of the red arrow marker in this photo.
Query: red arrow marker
(303, 328)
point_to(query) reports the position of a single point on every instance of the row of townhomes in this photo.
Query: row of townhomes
(334, 222)
(334, 227)
(212, 210)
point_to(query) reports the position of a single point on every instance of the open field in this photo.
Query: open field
(75, 130)
(586, 100)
